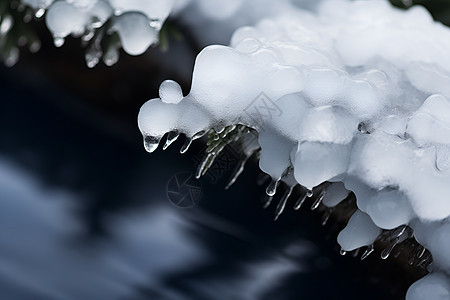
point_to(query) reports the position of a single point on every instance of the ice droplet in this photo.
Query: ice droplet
(342, 252)
(309, 193)
(39, 13)
(186, 145)
(58, 41)
(151, 143)
(272, 187)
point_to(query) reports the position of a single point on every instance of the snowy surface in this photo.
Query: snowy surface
(354, 92)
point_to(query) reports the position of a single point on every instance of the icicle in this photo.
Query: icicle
(189, 140)
(237, 172)
(12, 57)
(186, 145)
(35, 46)
(398, 231)
(268, 202)
(151, 143)
(368, 251)
(6, 24)
(199, 134)
(92, 56)
(172, 136)
(386, 252)
(282, 204)
(425, 261)
(205, 164)
(300, 201)
(272, 187)
(262, 177)
(111, 56)
(326, 217)
(319, 199)
(58, 41)
(421, 251)
(88, 35)
(355, 252)
(39, 13)
(28, 17)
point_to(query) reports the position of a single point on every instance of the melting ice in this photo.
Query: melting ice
(363, 91)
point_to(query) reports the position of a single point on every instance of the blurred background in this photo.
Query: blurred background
(86, 213)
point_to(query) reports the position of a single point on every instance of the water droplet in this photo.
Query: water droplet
(342, 252)
(368, 251)
(151, 143)
(386, 252)
(58, 41)
(186, 145)
(282, 204)
(299, 202)
(171, 137)
(39, 13)
(309, 193)
(272, 187)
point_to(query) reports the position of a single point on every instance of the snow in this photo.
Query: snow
(354, 92)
